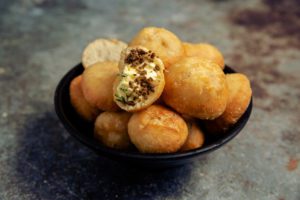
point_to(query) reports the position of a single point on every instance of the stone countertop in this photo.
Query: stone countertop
(40, 40)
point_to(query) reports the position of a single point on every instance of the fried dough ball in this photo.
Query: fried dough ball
(97, 85)
(205, 51)
(196, 87)
(141, 81)
(111, 129)
(102, 50)
(239, 98)
(195, 137)
(82, 107)
(163, 42)
(157, 129)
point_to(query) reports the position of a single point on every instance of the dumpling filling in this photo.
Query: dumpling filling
(139, 77)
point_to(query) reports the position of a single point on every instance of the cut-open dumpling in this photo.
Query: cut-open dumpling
(141, 79)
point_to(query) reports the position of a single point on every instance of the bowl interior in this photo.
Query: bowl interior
(83, 131)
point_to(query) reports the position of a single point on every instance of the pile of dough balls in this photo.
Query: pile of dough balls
(151, 94)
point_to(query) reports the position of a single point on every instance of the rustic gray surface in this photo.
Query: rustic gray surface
(40, 40)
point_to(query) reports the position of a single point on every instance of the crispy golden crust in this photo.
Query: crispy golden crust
(195, 137)
(239, 98)
(102, 50)
(161, 41)
(196, 87)
(152, 97)
(205, 51)
(82, 107)
(157, 130)
(111, 129)
(97, 85)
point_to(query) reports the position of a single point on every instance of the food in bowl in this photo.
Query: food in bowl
(195, 137)
(196, 87)
(101, 50)
(164, 43)
(161, 95)
(141, 80)
(205, 51)
(110, 128)
(80, 104)
(239, 98)
(97, 83)
(157, 129)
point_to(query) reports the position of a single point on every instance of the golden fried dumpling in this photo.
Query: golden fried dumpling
(205, 51)
(101, 50)
(141, 79)
(97, 85)
(111, 129)
(195, 137)
(239, 98)
(157, 129)
(196, 87)
(161, 41)
(82, 107)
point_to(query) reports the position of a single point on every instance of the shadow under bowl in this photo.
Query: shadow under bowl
(83, 132)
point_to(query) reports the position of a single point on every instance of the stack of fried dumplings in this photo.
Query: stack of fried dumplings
(151, 93)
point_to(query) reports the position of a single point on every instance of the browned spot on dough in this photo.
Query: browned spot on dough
(292, 164)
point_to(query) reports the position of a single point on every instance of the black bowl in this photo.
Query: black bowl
(83, 132)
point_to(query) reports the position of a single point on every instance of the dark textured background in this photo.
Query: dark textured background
(40, 40)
